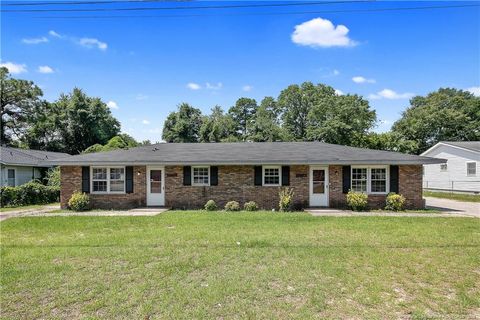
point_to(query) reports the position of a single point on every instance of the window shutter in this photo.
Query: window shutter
(346, 172)
(214, 176)
(129, 179)
(86, 179)
(187, 176)
(394, 179)
(258, 175)
(285, 176)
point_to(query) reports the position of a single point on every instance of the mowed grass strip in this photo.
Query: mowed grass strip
(239, 265)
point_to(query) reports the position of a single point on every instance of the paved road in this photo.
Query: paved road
(452, 206)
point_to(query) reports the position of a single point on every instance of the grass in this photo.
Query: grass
(453, 196)
(185, 264)
(33, 206)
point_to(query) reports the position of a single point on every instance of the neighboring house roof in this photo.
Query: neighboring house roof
(468, 145)
(26, 157)
(245, 153)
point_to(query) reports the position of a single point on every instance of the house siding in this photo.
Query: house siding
(236, 183)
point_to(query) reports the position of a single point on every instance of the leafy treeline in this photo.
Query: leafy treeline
(309, 112)
(76, 123)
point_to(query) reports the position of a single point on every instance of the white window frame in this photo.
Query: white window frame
(369, 177)
(279, 176)
(470, 174)
(201, 184)
(442, 166)
(108, 180)
(15, 177)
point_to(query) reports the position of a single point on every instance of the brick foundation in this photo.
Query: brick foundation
(236, 183)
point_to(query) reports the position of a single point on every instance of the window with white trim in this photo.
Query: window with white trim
(108, 180)
(443, 167)
(471, 169)
(271, 176)
(359, 179)
(370, 179)
(201, 176)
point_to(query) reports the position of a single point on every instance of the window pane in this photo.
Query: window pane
(271, 176)
(117, 185)
(359, 179)
(200, 176)
(378, 180)
(117, 173)
(471, 168)
(100, 186)
(99, 173)
(11, 174)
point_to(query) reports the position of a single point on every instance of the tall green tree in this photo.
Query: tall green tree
(217, 127)
(265, 126)
(339, 118)
(389, 141)
(183, 125)
(243, 112)
(17, 100)
(446, 114)
(121, 141)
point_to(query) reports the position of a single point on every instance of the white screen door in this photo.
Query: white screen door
(319, 186)
(155, 186)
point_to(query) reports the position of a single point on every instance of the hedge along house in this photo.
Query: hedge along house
(187, 175)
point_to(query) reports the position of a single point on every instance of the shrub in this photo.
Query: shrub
(250, 206)
(53, 177)
(286, 199)
(395, 202)
(232, 206)
(79, 201)
(29, 193)
(210, 205)
(357, 201)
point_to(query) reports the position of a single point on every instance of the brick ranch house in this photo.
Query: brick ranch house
(187, 175)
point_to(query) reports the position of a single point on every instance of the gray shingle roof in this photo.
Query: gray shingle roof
(27, 157)
(245, 153)
(470, 145)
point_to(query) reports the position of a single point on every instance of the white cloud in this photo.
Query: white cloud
(339, 92)
(217, 86)
(54, 34)
(360, 79)
(247, 88)
(14, 68)
(112, 105)
(474, 90)
(35, 40)
(45, 69)
(336, 72)
(193, 86)
(390, 94)
(145, 122)
(320, 32)
(92, 43)
(141, 97)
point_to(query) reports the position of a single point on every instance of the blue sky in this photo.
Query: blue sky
(145, 67)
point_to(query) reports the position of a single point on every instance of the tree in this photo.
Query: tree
(218, 127)
(183, 125)
(389, 141)
(242, 113)
(295, 103)
(121, 141)
(265, 126)
(338, 119)
(447, 114)
(17, 99)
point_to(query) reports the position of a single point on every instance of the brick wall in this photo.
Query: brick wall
(410, 186)
(71, 181)
(234, 183)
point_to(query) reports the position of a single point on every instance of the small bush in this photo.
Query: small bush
(357, 201)
(232, 206)
(395, 202)
(53, 177)
(29, 193)
(250, 206)
(210, 205)
(286, 199)
(79, 201)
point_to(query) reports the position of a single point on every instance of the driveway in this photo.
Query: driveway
(452, 206)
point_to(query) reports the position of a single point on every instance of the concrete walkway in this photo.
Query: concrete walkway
(50, 212)
(471, 209)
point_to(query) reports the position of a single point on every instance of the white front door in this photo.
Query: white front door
(155, 186)
(318, 186)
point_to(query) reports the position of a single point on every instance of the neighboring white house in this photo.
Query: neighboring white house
(19, 166)
(461, 173)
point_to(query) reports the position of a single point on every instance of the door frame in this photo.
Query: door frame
(162, 195)
(327, 185)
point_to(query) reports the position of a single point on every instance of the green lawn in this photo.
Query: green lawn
(33, 206)
(453, 196)
(239, 265)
